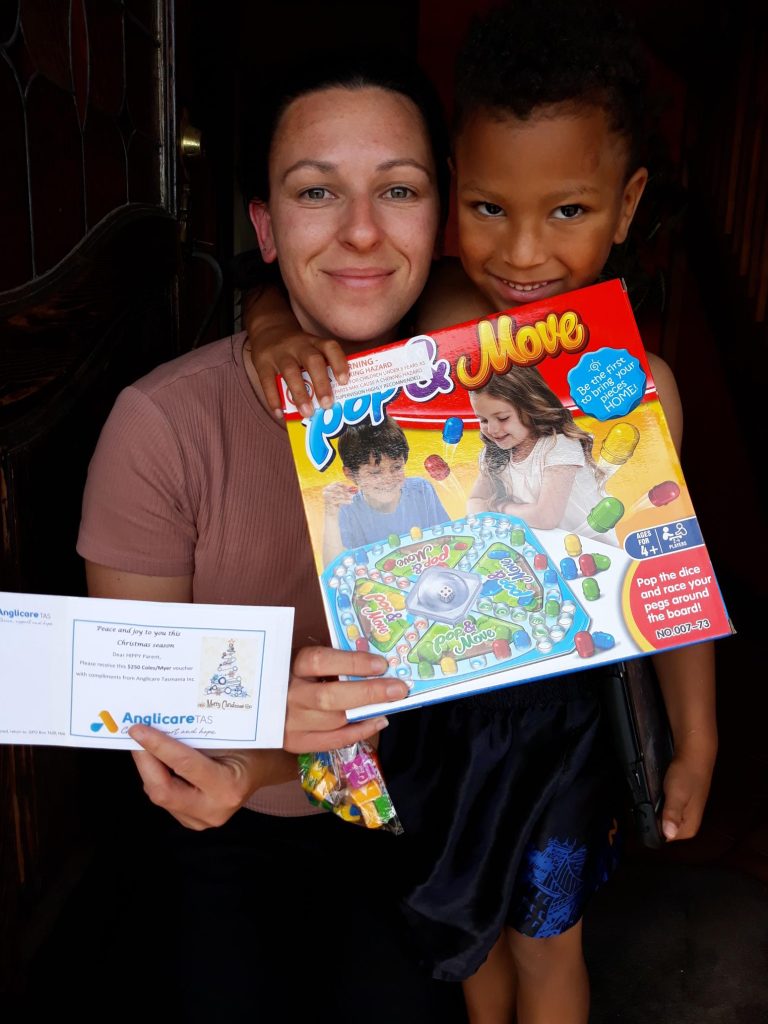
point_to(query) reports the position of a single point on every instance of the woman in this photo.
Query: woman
(177, 508)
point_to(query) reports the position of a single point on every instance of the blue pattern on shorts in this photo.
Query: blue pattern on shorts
(555, 896)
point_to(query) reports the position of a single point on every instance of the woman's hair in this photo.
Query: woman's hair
(528, 55)
(264, 110)
(539, 409)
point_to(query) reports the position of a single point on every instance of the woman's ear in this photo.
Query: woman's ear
(633, 191)
(262, 225)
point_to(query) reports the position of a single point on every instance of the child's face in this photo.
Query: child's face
(541, 202)
(499, 421)
(382, 482)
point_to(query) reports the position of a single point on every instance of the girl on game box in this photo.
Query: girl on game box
(508, 796)
(536, 463)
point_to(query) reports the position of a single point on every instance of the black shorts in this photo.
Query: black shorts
(507, 800)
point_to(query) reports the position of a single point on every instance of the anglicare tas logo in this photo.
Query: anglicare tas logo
(105, 720)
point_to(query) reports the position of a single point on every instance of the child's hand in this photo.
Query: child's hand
(338, 494)
(288, 355)
(686, 787)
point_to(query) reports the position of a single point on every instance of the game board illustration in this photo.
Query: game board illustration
(501, 501)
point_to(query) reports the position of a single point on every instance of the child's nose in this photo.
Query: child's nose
(523, 247)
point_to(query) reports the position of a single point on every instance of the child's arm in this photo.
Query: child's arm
(481, 496)
(547, 511)
(279, 346)
(687, 679)
(334, 496)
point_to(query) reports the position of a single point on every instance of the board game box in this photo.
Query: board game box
(501, 501)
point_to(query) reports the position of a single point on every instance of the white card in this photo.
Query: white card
(78, 671)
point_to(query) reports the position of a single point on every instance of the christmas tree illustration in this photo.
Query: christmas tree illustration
(226, 678)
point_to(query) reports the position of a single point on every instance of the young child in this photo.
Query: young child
(381, 499)
(507, 797)
(536, 463)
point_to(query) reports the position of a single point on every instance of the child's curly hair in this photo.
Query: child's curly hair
(531, 54)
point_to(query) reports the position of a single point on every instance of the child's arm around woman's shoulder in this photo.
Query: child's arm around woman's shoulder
(687, 678)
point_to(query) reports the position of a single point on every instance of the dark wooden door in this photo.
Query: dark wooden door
(88, 301)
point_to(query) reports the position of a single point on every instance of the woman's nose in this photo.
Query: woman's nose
(360, 228)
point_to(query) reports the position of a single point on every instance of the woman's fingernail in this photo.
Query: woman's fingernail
(326, 402)
(306, 410)
(343, 378)
(394, 690)
(380, 723)
(278, 413)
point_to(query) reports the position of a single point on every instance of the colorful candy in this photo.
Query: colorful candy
(540, 562)
(602, 562)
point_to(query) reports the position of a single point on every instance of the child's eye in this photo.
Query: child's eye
(399, 192)
(568, 212)
(316, 193)
(489, 209)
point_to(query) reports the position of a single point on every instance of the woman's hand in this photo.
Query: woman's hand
(203, 789)
(316, 719)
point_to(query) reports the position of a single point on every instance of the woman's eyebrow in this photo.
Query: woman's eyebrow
(317, 165)
(325, 168)
(404, 161)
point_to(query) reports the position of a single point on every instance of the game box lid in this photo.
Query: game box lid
(501, 501)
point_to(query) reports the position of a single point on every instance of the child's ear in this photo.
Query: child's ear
(262, 223)
(349, 474)
(633, 190)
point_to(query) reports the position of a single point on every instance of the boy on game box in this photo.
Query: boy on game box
(502, 501)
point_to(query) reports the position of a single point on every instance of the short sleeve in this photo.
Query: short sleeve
(137, 515)
(566, 451)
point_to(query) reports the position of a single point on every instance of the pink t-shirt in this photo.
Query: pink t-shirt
(192, 476)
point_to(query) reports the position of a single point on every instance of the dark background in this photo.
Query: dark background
(116, 255)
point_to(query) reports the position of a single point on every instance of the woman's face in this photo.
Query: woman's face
(353, 211)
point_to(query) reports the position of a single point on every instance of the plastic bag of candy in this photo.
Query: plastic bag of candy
(349, 783)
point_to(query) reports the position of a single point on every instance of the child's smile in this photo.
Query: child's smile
(500, 422)
(541, 201)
